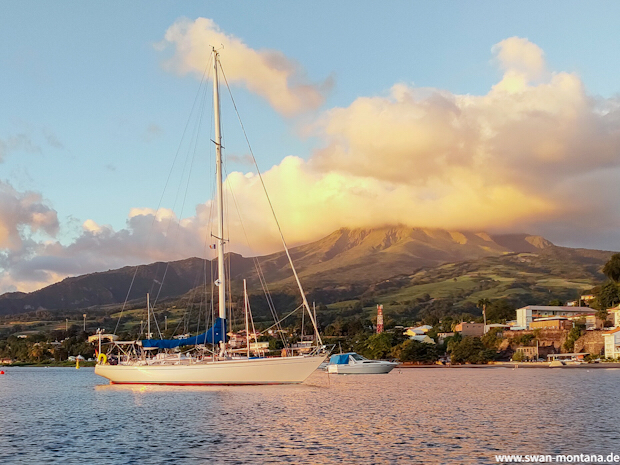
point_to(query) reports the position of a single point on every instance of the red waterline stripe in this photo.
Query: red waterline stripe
(203, 384)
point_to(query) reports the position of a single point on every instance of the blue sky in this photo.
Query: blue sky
(92, 118)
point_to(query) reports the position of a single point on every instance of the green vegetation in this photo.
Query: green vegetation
(415, 351)
(440, 296)
(612, 268)
(43, 348)
(575, 333)
(471, 350)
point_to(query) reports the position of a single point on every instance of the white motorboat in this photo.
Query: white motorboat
(354, 364)
(138, 362)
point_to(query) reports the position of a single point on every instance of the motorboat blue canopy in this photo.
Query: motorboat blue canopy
(340, 359)
(216, 334)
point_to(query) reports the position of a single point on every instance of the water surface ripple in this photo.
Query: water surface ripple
(464, 416)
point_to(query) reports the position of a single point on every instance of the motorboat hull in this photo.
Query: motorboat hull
(363, 368)
(276, 370)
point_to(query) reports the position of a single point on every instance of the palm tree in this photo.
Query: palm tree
(36, 352)
(612, 268)
(482, 303)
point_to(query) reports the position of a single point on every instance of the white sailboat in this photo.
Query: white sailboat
(135, 363)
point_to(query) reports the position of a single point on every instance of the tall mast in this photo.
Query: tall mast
(247, 323)
(221, 277)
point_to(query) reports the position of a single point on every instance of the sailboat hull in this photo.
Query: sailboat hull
(277, 370)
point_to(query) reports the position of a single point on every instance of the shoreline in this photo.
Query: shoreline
(44, 365)
(516, 365)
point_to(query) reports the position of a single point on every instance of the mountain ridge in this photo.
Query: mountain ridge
(347, 257)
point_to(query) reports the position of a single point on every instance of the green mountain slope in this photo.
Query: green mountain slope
(347, 264)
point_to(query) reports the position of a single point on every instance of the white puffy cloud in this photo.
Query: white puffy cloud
(535, 154)
(22, 213)
(268, 73)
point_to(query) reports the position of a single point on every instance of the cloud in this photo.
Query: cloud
(52, 140)
(26, 142)
(517, 55)
(19, 142)
(21, 214)
(245, 159)
(535, 154)
(268, 73)
(153, 131)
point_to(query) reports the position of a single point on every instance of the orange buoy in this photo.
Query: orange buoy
(1, 372)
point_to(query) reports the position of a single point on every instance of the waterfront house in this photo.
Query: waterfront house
(470, 329)
(418, 330)
(526, 315)
(529, 352)
(614, 316)
(552, 322)
(612, 343)
(441, 337)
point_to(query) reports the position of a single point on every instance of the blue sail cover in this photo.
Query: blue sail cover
(340, 359)
(217, 333)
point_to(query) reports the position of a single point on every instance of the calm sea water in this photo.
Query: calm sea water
(464, 416)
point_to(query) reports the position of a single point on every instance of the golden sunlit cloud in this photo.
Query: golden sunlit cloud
(536, 154)
(268, 73)
(520, 156)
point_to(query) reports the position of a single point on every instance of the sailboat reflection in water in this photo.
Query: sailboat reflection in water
(210, 361)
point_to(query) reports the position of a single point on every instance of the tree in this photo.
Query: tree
(612, 268)
(608, 295)
(482, 303)
(377, 346)
(36, 352)
(416, 351)
(471, 350)
(501, 310)
(573, 335)
(493, 338)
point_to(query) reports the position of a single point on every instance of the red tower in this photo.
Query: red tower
(379, 319)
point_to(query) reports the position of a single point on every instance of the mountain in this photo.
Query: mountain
(362, 256)
(348, 261)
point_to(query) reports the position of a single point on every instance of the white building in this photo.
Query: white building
(614, 313)
(526, 315)
(612, 343)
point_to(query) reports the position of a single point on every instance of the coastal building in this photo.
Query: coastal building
(470, 329)
(526, 315)
(570, 357)
(612, 343)
(418, 330)
(423, 338)
(441, 337)
(592, 322)
(529, 352)
(614, 316)
(552, 322)
(488, 328)
(587, 299)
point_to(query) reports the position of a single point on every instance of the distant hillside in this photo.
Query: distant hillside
(362, 256)
(348, 260)
(523, 278)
